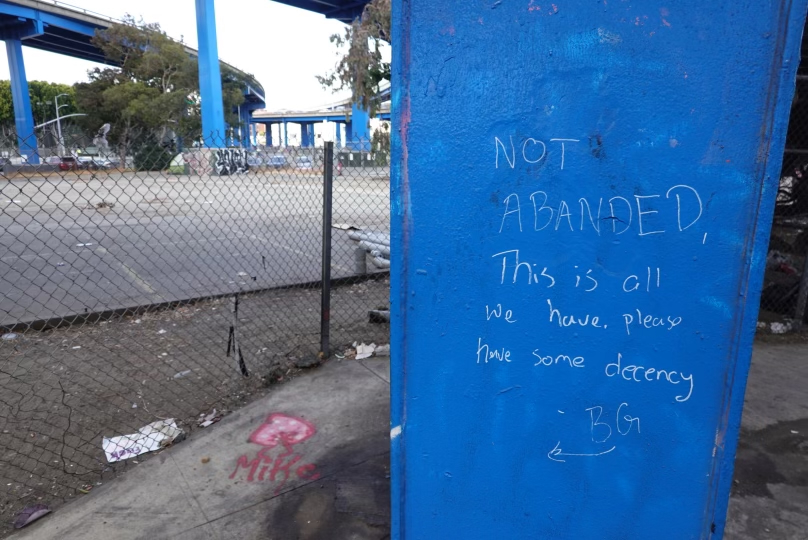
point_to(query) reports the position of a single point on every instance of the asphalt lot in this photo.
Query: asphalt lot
(91, 242)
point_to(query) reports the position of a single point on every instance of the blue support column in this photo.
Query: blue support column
(268, 128)
(304, 136)
(541, 421)
(23, 117)
(244, 128)
(359, 138)
(210, 78)
(285, 134)
(339, 134)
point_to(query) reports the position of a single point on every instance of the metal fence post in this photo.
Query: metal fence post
(325, 311)
(802, 295)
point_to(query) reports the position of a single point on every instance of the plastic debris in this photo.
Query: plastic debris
(149, 438)
(83, 245)
(382, 350)
(77, 347)
(60, 264)
(210, 419)
(182, 374)
(29, 514)
(379, 316)
(161, 331)
(365, 351)
(780, 328)
(11, 336)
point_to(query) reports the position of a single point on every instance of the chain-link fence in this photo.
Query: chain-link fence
(146, 291)
(785, 288)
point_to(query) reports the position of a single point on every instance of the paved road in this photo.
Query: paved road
(168, 237)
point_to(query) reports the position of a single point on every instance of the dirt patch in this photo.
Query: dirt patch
(63, 390)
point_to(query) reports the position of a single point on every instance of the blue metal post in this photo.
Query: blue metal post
(23, 117)
(244, 127)
(576, 266)
(210, 78)
(304, 136)
(268, 128)
(359, 138)
(285, 134)
(339, 134)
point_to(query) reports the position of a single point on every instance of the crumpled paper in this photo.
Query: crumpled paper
(365, 351)
(149, 438)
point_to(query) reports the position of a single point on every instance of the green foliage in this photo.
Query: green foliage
(361, 69)
(154, 92)
(42, 94)
(380, 144)
(153, 156)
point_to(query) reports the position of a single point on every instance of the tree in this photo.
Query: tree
(153, 96)
(362, 69)
(380, 144)
(42, 94)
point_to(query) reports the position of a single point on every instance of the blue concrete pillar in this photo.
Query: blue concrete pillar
(577, 260)
(305, 141)
(359, 137)
(210, 78)
(285, 134)
(268, 129)
(23, 117)
(338, 127)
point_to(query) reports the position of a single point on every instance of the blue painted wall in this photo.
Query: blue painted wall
(577, 263)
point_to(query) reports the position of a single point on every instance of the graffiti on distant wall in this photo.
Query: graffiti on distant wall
(229, 161)
(283, 433)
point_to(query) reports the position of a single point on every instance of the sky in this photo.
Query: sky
(284, 47)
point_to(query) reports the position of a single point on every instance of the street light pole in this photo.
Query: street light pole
(60, 149)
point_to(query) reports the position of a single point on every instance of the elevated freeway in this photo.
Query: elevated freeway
(68, 30)
(342, 113)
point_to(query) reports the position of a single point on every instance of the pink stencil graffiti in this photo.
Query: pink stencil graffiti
(281, 429)
(278, 430)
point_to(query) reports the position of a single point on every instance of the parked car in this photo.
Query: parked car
(277, 161)
(103, 163)
(68, 164)
(303, 162)
(95, 163)
(254, 160)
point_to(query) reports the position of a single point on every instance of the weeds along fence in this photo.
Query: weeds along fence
(163, 286)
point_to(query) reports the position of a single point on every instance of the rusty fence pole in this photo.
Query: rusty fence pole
(325, 304)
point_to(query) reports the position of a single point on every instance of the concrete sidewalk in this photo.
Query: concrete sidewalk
(331, 478)
(331, 482)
